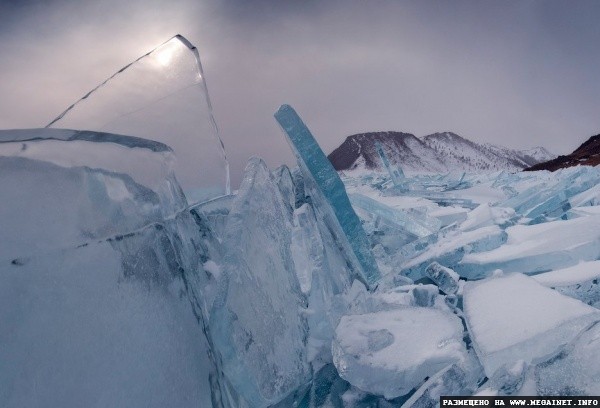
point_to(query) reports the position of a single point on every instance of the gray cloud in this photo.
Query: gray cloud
(518, 74)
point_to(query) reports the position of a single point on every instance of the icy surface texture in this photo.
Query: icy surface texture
(580, 281)
(283, 178)
(539, 248)
(582, 272)
(420, 225)
(256, 319)
(509, 379)
(91, 316)
(445, 278)
(323, 275)
(162, 96)
(148, 163)
(78, 202)
(82, 328)
(451, 250)
(486, 215)
(461, 378)
(575, 370)
(390, 352)
(328, 194)
(552, 198)
(532, 324)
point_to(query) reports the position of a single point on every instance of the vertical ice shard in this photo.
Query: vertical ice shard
(322, 274)
(162, 96)
(328, 193)
(283, 178)
(255, 321)
(396, 174)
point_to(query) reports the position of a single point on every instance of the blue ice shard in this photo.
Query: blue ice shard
(329, 195)
(396, 173)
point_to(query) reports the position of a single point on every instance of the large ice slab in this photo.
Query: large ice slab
(550, 198)
(256, 321)
(453, 247)
(147, 163)
(539, 248)
(328, 194)
(48, 207)
(162, 96)
(582, 272)
(486, 215)
(93, 298)
(511, 317)
(390, 352)
(420, 225)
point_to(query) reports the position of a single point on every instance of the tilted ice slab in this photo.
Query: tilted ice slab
(329, 195)
(256, 321)
(512, 317)
(586, 198)
(573, 275)
(451, 249)
(539, 248)
(390, 352)
(420, 227)
(581, 281)
(486, 215)
(162, 96)
(553, 197)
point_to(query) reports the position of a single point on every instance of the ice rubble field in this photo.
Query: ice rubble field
(298, 290)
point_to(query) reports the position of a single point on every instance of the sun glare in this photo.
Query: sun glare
(164, 54)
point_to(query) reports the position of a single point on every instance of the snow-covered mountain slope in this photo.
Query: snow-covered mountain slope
(588, 154)
(438, 152)
(358, 151)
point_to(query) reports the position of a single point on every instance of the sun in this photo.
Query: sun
(165, 53)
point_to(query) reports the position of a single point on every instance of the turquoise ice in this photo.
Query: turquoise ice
(329, 195)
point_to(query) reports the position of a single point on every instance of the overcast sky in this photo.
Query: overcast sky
(514, 73)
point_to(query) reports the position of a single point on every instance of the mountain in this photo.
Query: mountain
(438, 152)
(588, 154)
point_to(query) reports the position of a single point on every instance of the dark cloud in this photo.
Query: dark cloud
(514, 73)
